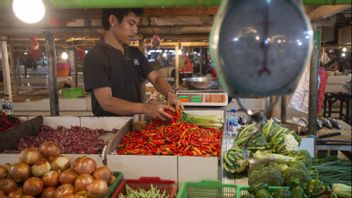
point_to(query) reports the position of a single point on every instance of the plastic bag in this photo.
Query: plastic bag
(300, 98)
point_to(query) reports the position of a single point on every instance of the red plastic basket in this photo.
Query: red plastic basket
(145, 183)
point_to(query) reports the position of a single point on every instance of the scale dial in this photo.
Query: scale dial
(260, 47)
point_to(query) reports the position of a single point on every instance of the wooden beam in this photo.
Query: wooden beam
(180, 20)
(325, 11)
(179, 11)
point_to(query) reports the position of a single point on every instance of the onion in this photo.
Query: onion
(48, 192)
(40, 167)
(69, 196)
(64, 189)
(3, 171)
(97, 188)
(20, 171)
(84, 164)
(30, 155)
(81, 194)
(7, 185)
(82, 181)
(49, 149)
(51, 178)
(16, 193)
(60, 163)
(33, 186)
(103, 173)
(113, 179)
(68, 176)
(27, 196)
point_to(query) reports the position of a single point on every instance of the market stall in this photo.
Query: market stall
(220, 145)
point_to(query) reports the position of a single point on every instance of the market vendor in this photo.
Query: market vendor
(113, 71)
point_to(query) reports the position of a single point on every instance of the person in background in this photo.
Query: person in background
(113, 71)
(332, 64)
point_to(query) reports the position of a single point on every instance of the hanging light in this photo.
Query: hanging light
(29, 11)
(64, 56)
(344, 49)
(179, 52)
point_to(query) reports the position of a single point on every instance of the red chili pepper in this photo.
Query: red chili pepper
(174, 139)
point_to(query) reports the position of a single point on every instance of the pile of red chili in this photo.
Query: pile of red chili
(174, 138)
(7, 121)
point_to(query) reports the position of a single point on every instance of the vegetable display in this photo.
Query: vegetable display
(142, 193)
(53, 175)
(74, 140)
(335, 171)
(174, 138)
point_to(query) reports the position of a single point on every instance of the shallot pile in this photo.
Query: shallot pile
(74, 140)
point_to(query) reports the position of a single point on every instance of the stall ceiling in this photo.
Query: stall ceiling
(171, 24)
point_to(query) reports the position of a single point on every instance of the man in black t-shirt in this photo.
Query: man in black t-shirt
(114, 71)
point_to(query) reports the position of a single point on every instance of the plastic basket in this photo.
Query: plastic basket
(145, 183)
(74, 92)
(112, 187)
(208, 189)
(211, 189)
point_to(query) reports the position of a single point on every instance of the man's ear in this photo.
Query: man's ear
(113, 21)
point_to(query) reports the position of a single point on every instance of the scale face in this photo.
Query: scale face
(260, 47)
(199, 98)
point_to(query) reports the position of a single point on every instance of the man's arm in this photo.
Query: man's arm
(116, 105)
(124, 107)
(162, 86)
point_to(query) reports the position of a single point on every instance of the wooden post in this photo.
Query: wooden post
(177, 66)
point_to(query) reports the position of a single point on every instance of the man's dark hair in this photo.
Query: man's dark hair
(119, 13)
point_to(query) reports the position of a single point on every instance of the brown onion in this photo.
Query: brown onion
(3, 171)
(113, 179)
(103, 173)
(82, 181)
(48, 192)
(51, 178)
(97, 188)
(30, 155)
(7, 185)
(40, 167)
(68, 176)
(33, 186)
(16, 193)
(49, 149)
(60, 163)
(20, 171)
(64, 189)
(81, 194)
(69, 196)
(84, 164)
(27, 196)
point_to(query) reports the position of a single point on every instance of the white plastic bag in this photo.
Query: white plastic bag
(300, 98)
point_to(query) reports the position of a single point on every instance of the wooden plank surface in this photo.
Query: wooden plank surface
(343, 139)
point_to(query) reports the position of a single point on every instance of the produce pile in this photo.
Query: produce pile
(275, 160)
(74, 140)
(174, 137)
(43, 172)
(272, 139)
(7, 121)
(140, 192)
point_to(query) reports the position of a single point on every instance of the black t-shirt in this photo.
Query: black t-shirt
(106, 66)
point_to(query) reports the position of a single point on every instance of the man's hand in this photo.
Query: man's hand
(174, 101)
(157, 111)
